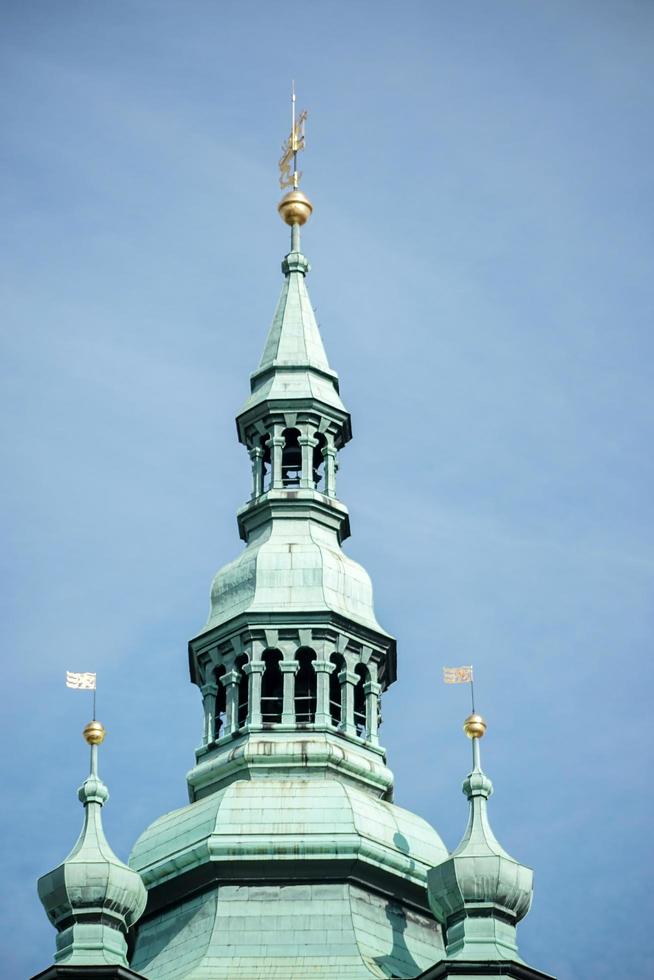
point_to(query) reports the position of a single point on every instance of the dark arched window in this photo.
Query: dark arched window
(221, 705)
(266, 466)
(360, 699)
(305, 688)
(243, 691)
(318, 460)
(272, 688)
(335, 708)
(291, 458)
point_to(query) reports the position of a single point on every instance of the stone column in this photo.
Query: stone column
(230, 681)
(323, 669)
(289, 669)
(256, 455)
(209, 692)
(254, 671)
(348, 680)
(329, 456)
(276, 444)
(372, 692)
(307, 444)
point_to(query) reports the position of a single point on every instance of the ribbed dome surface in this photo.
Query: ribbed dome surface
(288, 898)
(292, 818)
(92, 898)
(296, 566)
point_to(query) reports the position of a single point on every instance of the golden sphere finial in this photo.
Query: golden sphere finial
(474, 726)
(295, 208)
(94, 733)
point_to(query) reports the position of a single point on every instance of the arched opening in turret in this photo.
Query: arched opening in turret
(305, 688)
(335, 692)
(363, 674)
(291, 458)
(266, 465)
(243, 691)
(272, 688)
(318, 461)
(221, 703)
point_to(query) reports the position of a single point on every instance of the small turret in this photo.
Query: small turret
(480, 893)
(92, 898)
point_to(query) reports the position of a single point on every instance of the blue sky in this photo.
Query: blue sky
(482, 253)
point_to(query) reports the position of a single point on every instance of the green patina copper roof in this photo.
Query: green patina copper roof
(293, 566)
(294, 338)
(294, 365)
(92, 898)
(299, 831)
(281, 930)
(480, 892)
(290, 817)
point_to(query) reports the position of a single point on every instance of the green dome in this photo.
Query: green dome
(92, 898)
(297, 565)
(480, 892)
(292, 819)
(287, 877)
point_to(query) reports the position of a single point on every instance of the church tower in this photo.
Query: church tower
(291, 860)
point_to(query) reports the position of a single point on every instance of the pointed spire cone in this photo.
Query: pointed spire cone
(92, 898)
(480, 892)
(294, 364)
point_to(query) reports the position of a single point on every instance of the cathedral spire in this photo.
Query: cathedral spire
(92, 898)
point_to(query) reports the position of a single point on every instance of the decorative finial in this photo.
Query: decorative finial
(474, 726)
(295, 207)
(94, 733)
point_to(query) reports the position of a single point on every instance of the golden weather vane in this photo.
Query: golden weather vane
(288, 172)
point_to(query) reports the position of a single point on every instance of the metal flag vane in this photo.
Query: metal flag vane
(461, 675)
(289, 176)
(82, 682)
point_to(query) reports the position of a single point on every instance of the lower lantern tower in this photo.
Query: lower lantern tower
(291, 859)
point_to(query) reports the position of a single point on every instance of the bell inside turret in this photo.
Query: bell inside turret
(291, 459)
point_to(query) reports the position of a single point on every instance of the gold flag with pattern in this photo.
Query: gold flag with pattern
(457, 675)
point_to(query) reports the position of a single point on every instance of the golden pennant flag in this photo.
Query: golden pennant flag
(457, 675)
(80, 682)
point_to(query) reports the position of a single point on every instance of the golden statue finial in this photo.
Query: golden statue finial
(295, 207)
(292, 147)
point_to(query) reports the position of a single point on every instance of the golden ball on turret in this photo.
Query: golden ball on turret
(295, 208)
(94, 733)
(474, 726)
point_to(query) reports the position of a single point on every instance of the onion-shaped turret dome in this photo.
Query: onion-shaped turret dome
(92, 898)
(480, 892)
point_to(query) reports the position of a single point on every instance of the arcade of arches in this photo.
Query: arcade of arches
(299, 693)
